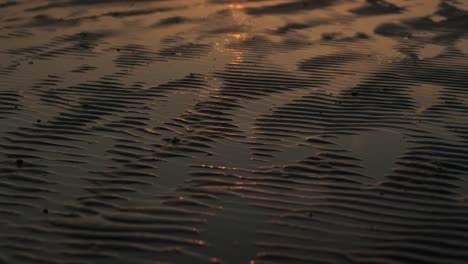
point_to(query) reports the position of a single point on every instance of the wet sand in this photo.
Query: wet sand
(216, 131)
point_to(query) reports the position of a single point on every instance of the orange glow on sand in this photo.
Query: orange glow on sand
(240, 36)
(200, 243)
(236, 6)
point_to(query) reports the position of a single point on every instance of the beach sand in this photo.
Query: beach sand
(223, 131)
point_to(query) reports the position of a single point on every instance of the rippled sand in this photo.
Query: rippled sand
(216, 131)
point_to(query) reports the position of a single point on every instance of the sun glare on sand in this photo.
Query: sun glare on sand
(236, 5)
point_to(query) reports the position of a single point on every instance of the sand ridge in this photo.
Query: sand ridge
(223, 131)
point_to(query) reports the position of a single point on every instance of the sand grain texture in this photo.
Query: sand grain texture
(272, 131)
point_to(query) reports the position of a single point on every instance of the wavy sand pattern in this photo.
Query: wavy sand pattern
(223, 131)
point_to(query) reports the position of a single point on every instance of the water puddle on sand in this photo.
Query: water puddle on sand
(425, 96)
(430, 51)
(238, 223)
(377, 150)
(463, 45)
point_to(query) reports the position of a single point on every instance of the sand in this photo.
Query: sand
(216, 131)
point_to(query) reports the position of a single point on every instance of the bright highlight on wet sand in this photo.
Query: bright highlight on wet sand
(222, 131)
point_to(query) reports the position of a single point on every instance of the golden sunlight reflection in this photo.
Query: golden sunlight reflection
(225, 47)
(238, 57)
(219, 167)
(240, 36)
(236, 5)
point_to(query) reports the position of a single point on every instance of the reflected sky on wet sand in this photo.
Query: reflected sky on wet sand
(223, 131)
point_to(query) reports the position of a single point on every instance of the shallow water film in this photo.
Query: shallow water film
(224, 131)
